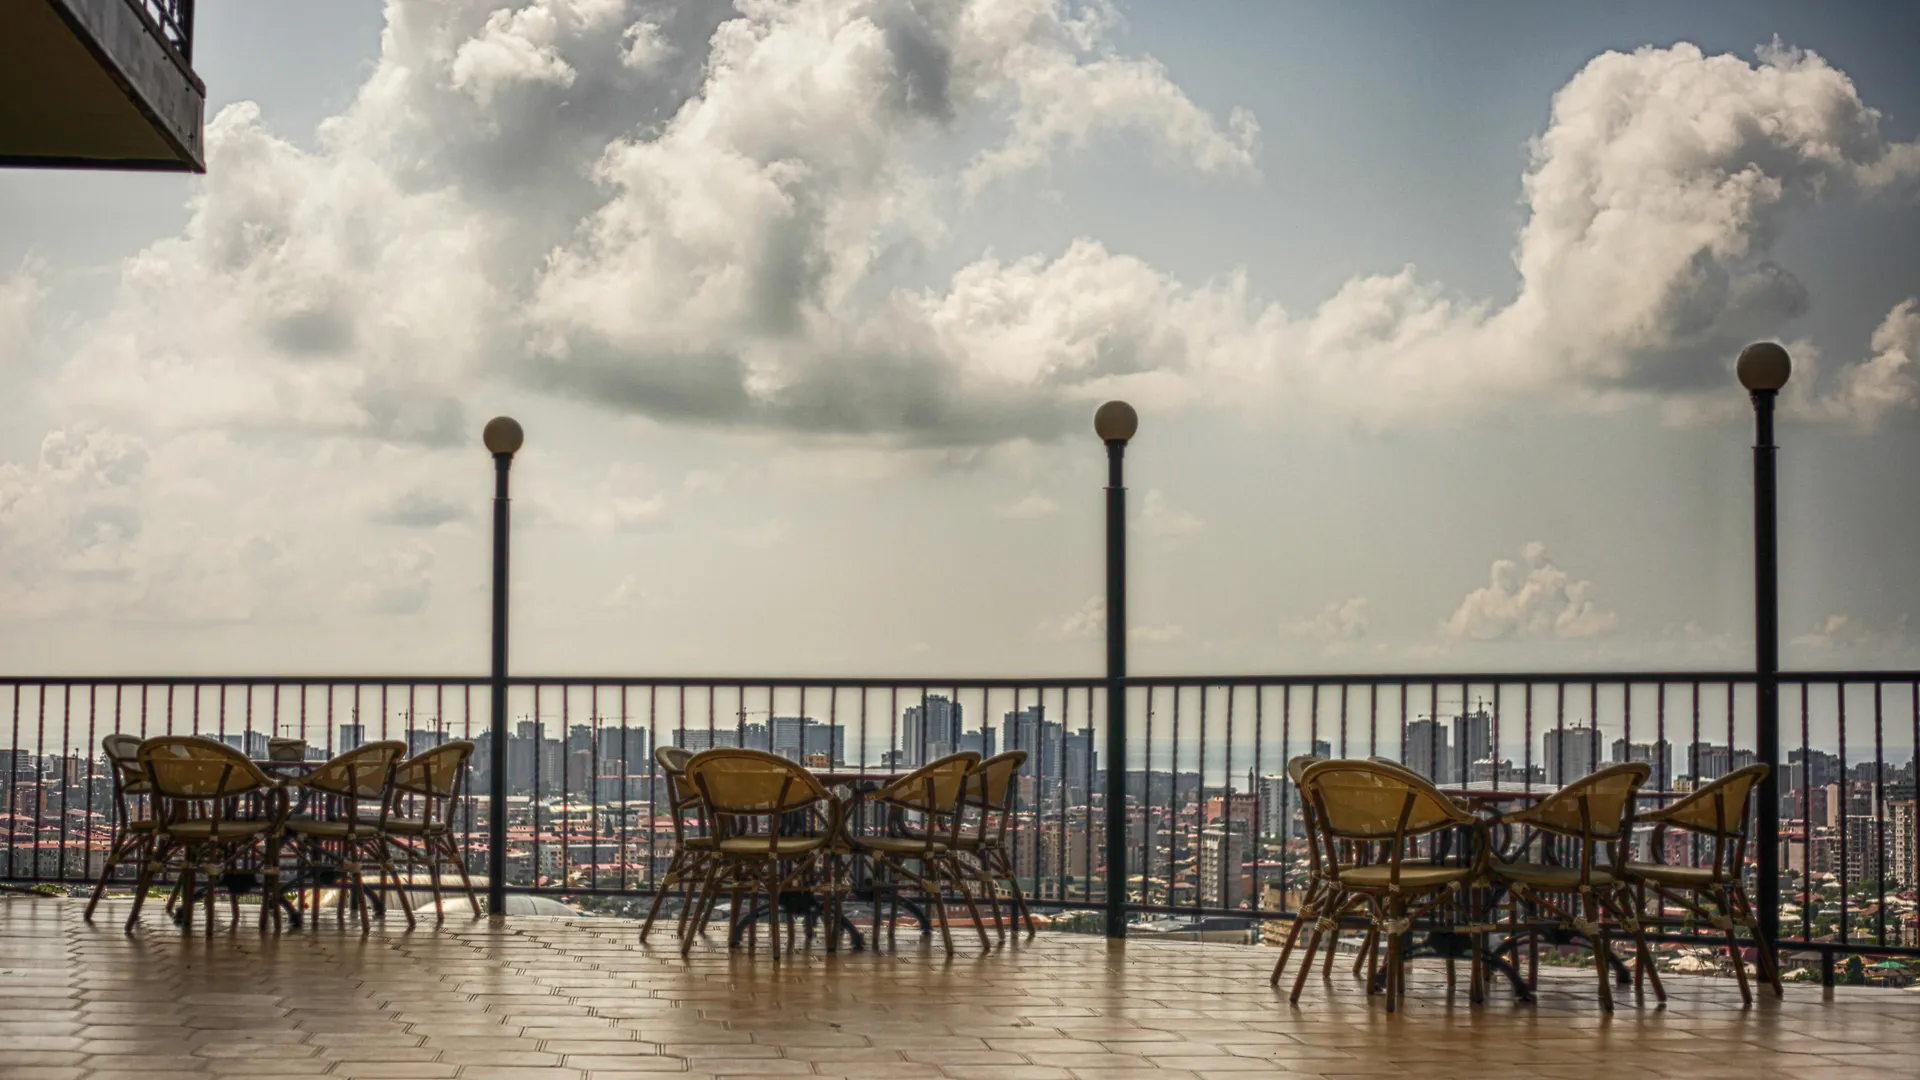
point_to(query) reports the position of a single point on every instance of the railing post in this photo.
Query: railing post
(1115, 423)
(503, 437)
(1763, 370)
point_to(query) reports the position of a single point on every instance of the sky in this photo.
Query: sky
(1429, 313)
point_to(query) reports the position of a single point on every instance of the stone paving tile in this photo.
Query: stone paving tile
(580, 999)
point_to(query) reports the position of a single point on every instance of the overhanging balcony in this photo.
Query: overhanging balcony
(100, 84)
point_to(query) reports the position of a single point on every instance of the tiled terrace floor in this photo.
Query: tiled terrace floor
(541, 999)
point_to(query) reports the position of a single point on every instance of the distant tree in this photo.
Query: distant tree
(1855, 972)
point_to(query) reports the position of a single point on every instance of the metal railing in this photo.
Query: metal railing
(1213, 825)
(174, 20)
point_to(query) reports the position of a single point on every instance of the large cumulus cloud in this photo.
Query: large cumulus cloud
(694, 212)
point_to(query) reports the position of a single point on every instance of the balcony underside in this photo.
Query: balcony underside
(581, 999)
(91, 84)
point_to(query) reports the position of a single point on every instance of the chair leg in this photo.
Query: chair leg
(709, 892)
(1591, 905)
(141, 883)
(1626, 910)
(1762, 948)
(1395, 959)
(433, 884)
(399, 888)
(653, 909)
(952, 871)
(210, 887)
(1363, 960)
(1013, 880)
(1724, 908)
(1306, 963)
(1293, 934)
(129, 847)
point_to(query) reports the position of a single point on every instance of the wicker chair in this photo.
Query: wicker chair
(932, 793)
(133, 821)
(741, 790)
(1717, 812)
(332, 831)
(692, 841)
(988, 795)
(419, 822)
(1595, 813)
(1371, 807)
(200, 790)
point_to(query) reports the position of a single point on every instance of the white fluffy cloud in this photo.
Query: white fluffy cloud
(1090, 621)
(1343, 620)
(692, 214)
(1529, 598)
(1030, 506)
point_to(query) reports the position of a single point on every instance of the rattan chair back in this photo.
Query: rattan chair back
(1597, 807)
(752, 783)
(360, 773)
(1719, 809)
(1368, 801)
(435, 773)
(191, 769)
(933, 788)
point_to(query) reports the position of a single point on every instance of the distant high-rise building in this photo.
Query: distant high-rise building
(352, 736)
(1901, 842)
(255, 745)
(1223, 855)
(1028, 729)
(931, 730)
(698, 739)
(1657, 756)
(420, 741)
(623, 747)
(1567, 753)
(797, 738)
(1472, 741)
(984, 742)
(1426, 750)
(1081, 762)
(1712, 762)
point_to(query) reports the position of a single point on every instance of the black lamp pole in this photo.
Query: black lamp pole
(503, 437)
(1763, 370)
(1115, 423)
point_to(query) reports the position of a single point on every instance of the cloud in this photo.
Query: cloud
(1087, 621)
(700, 216)
(398, 582)
(1032, 505)
(1842, 635)
(1161, 519)
(419, 509)
(1530, 598)
(627, 593)
(21, 294)
(1343, 620)
(1090, 621)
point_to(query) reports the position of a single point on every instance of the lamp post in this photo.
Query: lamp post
(1763, 369)
(1115, 423)
(502, 437)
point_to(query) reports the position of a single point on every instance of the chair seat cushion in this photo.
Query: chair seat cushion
(1417, 876)
(1543, 876)
(203, 829)
(759, 845)
(1681, 876)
